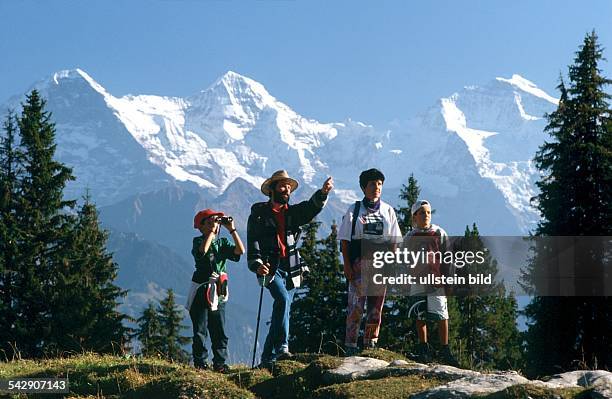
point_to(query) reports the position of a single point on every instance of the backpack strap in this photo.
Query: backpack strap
(354, 245)
(355, 216)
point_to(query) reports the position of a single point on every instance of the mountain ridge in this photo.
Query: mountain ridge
(236, 129)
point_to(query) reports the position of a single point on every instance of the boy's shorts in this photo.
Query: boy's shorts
(432, 307)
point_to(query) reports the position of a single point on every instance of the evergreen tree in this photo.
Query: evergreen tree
(171, 318)
(485, 330)
(11, 159)
(308, 249)
(318, 320)
(149, 332)
(43, 222)
(303, 321)
(56, 281)
(85, 299)
(575, 200)
(409, 195)
(398, 332)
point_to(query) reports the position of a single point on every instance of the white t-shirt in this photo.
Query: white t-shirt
(379, 226)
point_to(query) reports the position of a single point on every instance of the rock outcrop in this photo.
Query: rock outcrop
(460, 383)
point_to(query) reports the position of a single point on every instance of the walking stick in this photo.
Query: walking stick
(257, 328)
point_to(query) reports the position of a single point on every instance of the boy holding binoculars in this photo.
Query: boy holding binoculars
(209, 293)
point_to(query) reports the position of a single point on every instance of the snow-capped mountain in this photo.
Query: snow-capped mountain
(150, 162)
(502, 125)
(470, 152)
(104, 156)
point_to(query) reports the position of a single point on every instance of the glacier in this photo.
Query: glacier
(471, 151)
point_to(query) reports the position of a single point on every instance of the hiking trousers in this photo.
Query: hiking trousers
(277, 340)
(356, 304)
(204, 319)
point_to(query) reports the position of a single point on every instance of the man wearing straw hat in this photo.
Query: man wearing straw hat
(273, 230)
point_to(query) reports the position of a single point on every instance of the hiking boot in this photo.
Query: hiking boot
(201, 366)
(351, 351)
(286, 355)
(423, 354)
(370, 345)
(221, 368)
(267, 365)
(446, 357)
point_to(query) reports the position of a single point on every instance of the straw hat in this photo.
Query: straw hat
(279, 175)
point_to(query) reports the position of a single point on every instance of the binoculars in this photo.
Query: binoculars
(224, 219)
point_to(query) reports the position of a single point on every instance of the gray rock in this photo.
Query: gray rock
(361, 368)
(599, 380)
(398, 363)
(444, 372)
(354, 368)
(602, 391)
(470, 386)
(463, 383)
(583, 378)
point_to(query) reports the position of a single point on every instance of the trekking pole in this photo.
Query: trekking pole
(257, 328)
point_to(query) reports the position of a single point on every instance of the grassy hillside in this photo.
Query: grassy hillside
(95, 376)
(117, 377)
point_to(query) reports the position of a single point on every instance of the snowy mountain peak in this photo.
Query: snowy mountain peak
(233, 79)
(501, 124)
(502, 104)
(227, 109)
(237, 90)
(234, 134)
(528, 86)
(74, 76)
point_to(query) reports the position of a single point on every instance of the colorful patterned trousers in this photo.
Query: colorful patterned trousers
(356, 304)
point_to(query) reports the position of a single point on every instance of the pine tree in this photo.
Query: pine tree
(485, 330)
(85, 300)
(11, 159)
(304, 322)
(410, 195)
(575, 200)
(318, 310)
(43, 222)
(149, 332)
(398, 332)
(58, 282)
(308, 249)
(108, 333)
(171, 318)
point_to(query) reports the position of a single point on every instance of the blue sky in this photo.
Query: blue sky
(329, 60)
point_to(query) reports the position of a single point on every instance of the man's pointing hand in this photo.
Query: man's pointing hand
(328, 185)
